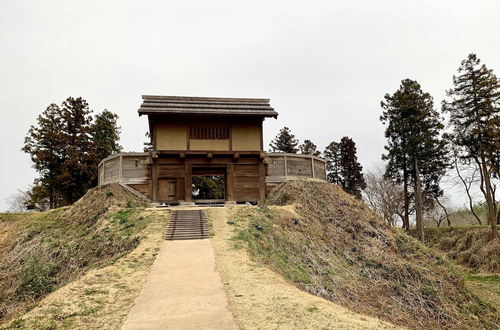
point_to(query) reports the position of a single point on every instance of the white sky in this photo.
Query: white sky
(325, 65)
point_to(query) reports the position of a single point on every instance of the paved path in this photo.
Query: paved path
(183, 291)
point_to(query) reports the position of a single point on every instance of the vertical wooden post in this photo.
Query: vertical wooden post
(154, 180)
(286, 167)
(188, 182)
(120, 169)
(230, 182)
(103, 172)
(262, 181)
(312, 166)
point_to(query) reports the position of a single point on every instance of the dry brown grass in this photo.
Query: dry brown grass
(44, 251)
(262, 299)
(101, 298)
(468, 246)
(334, 246)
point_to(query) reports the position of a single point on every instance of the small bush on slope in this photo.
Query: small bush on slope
(469, 246)
(334, 246)
(48, 250)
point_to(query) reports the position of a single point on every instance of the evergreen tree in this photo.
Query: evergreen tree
(350, 169)
(474, 110)
(65, 148)
(285, 141)
(416, 153)
(80, 163)
(332, 156)
(309, 148)
(105, 134)
(148, 145)
(46, 146)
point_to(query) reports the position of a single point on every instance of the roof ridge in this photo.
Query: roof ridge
(203, 98)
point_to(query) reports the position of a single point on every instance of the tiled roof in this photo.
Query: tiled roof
(182, 105)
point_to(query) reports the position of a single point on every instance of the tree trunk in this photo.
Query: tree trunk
(418, 203)
(445, 211)
(492, 216)
(467, 191)
(406, 218)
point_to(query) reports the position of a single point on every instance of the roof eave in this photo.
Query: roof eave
(165, 113)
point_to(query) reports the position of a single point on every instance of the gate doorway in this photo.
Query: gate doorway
(209, 183)
(166, 190)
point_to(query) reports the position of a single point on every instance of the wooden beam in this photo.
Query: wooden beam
(286, 166)
(262, 182)
(312, 166)
(154, 181)
(120, 169)
(230, 182)
(188, 197)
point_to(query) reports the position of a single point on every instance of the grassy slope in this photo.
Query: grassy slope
(44, 251)
(469, 246)
(334, 246)
(262, 299)
(101, 298)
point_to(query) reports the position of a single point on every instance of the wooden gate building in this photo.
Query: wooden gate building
(199, 136)
(206, 136)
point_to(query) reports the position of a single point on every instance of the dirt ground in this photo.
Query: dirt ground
(101, 298)
(262, 299)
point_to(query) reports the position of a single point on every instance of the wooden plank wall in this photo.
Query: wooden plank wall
(133, 171)
(319, 170)
(276, 167)
(111, 171)
(299, 166)
(246, 182)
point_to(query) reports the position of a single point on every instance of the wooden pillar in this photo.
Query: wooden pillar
(312, 166)
(286, 166)
(154, 180)
(120, 169)
(262, 181)
(188, 197)
(230, 182)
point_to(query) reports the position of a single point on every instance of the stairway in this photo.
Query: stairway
(187, 224)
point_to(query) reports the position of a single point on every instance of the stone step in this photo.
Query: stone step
(187, 224)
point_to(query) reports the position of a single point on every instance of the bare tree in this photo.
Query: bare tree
(384, 196)
(17, 202)
(26, 200)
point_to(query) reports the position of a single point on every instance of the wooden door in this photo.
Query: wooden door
(166, 189)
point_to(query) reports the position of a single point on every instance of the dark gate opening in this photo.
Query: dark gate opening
(208, 184)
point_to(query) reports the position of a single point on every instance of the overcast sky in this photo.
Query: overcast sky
(325, 65)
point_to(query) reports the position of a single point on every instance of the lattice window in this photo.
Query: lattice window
(209, 133)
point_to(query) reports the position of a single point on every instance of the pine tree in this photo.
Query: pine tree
(285, 141)
(332, 156)
(46, 146)
(148, 145)
(350, 169)
(416, 153)
(105, 135)
(65, 148)
(79, 161)
(309, 148)
(474, 109)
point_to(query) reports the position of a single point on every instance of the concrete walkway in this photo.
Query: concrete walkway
(183, 291)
